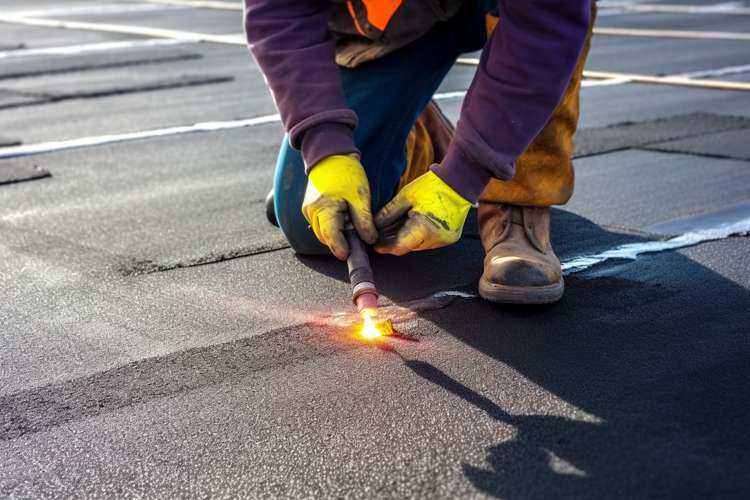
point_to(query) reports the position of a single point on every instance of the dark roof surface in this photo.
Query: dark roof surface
(159, 338)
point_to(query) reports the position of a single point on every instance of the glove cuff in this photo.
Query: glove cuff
(324, 140)
(460, 173)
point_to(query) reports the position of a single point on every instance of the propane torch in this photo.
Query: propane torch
(364, 293)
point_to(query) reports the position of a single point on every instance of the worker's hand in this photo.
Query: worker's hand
(427, 213)
(338, 192)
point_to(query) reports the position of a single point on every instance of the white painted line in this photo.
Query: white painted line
(71, 50)
(615, 78)
(726, 8)
(96, 9)
(604, 83)
(473, 61)
(651, 33)
(631, 251)
(239, 38)
(676, 81)
(202, 4)
(617, 7)
(459, 94)
(85, 142)
(187, 36)
(48, 147)
(100, 140)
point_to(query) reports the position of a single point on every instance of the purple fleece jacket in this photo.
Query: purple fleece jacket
(523, 72)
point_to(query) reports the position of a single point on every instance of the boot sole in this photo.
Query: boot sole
(503, 294)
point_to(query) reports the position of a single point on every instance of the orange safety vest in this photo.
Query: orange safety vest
(372, 15)
(369, 29)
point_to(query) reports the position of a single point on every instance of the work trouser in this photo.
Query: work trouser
(390, 93)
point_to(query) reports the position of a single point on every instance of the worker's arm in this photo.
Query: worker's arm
(525, 67)
(523, 72)
(294, 49)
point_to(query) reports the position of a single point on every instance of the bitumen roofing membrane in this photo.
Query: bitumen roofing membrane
(159, 338)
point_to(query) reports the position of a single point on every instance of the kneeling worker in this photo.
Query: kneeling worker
(353, 81)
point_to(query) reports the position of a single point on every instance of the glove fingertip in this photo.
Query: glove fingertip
(378, 220)
(339, 251)
(384, 217)
(365, 227)
(369, 234)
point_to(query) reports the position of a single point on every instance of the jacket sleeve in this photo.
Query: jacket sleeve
(523, 72)
(295, 51)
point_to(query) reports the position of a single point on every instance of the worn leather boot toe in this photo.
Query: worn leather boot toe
(270, 209)
(520, 266)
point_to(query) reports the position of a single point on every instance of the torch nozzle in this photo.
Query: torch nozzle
(364, 292)
(367, 301)
(374, 327)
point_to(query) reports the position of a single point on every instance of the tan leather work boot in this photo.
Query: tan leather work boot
(520, 266)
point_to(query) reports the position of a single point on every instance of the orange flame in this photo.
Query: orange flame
(370, 328)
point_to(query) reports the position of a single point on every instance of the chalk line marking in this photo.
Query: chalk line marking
(72, 50)
(652, 33)
(728, 70)
(84, 142)
(684, 80)
(187, 36)
(631, 251)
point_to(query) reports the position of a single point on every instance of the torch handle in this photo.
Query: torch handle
(360, 272)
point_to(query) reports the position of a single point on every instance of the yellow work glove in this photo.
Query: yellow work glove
(432, 216)
(338, 192)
